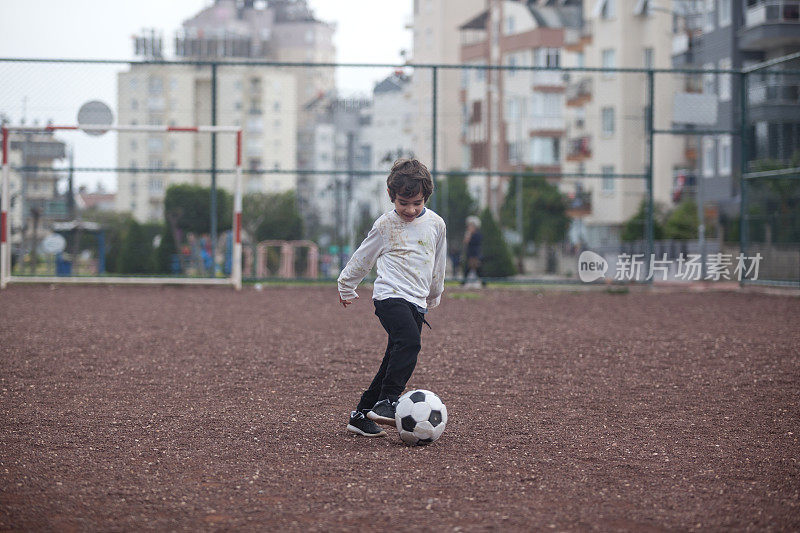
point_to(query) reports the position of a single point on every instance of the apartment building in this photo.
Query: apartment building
(436, 40)
(340, 189)
(35, 201)
(513, 120)
(266, 102)
(390, 133)
(606, 116)
(735, 34)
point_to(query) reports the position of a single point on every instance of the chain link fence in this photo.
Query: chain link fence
(555, 159)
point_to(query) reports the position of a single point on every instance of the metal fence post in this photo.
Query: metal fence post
(214, 170)
(434, 112)
(743, 229)
(649, 174)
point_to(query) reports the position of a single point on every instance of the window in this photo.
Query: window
(608, 178)
(512, 110)
(134, 104)
(604, 9)
(648, 58)
(155, 185)
(725, 80)
(724, 155)
(580, 117)
(708, 24)
(580, 60)
(134, 145)
(724, 13)
(709, 79)
(255, 125)
(475, 116)
(608, 120)
(511, 61)
(643, 8)
(544, 150)
(133, 84)
(309, 36)
(708, 157)
(480, 73)
(509, 25)
(155, 145)
(610, 9)
(609, 59)
(546, 57)
(155, 86)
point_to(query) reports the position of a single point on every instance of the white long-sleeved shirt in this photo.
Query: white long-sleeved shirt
(411, 259)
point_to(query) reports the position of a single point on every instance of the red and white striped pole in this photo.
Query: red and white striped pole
(5, 251)
(236, 270)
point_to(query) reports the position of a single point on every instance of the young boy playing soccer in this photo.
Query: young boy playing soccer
(409, 246)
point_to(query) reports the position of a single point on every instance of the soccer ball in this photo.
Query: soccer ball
(420, 417)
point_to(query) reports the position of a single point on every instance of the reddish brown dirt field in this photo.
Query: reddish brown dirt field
(201, 408)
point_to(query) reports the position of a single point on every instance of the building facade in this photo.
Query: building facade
(607, 114)
(436, 40)
(732, 35)
(514, 119)
(35, 201)
(268, 103)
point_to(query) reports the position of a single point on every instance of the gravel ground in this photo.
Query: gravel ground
(128, 408)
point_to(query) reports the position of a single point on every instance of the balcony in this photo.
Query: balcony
(771, 24)
(775, 100)
(579, 149)
(547, 78)
(579, 93)
(575, 39)
(579, 203)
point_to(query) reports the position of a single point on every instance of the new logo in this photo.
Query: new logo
(591, 266)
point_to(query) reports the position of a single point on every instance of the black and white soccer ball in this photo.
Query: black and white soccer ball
(420, 417)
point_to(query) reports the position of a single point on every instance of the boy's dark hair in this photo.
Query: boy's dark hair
(408, 178)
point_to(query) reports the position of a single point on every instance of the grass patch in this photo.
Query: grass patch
(464, 295)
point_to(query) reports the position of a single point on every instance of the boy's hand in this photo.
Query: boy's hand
(345, 303)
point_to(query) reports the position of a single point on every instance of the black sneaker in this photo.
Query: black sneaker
(383, 412)
(360, 425)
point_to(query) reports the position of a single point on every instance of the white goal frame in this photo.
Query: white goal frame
(235, 278)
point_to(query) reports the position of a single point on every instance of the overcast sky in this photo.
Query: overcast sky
(367, 31)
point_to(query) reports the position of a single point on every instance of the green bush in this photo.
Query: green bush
(497, 261)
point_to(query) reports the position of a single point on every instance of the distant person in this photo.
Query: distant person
(409, 245)
(473, 251)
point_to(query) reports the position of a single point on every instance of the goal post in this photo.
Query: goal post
(6, 277)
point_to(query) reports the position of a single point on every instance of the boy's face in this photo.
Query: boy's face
(409, 208)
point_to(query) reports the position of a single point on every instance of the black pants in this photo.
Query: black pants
(403, 323)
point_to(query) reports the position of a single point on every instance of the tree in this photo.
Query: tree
(136, 250)
(459, 205)
(634, 228)
(165, 250)
(497, 262)
(682, 222)
(188, 208)
(774, 203)
(364, 222)
(272, 216)
(544, 209)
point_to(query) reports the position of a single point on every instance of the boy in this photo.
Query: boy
(410, 248)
